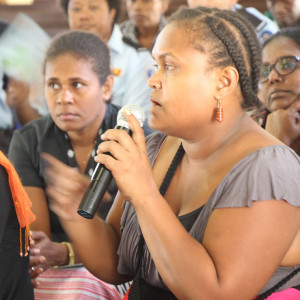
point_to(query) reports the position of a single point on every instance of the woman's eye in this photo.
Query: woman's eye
(287, 66)
(77, 85)
(76, 9)
(165, 67)
(93, 7)
(168, 67)
(53, 85)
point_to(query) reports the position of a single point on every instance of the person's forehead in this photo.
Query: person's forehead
(88, 1)
(223, 4)
(282, 1)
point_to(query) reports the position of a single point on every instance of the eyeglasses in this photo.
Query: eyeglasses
(283, 66)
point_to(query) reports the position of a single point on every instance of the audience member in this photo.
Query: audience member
(263, 25)
(285, 12)
(78, 88)
(146, 20)
(15, 107)
(15, 217)
(223, 224)
(100, 17)
(280, 86)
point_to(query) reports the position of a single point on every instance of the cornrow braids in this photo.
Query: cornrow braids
(253, 46)
(234, 50)
(229, 40)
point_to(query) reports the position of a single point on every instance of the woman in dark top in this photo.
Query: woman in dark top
(15, 279)
(78, 86)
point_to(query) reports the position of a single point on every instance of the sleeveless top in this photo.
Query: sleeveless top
(272, 172)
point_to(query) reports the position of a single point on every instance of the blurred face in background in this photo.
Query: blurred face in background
(93, 16)
(285, 12)
(280, 91)
(221, 4)
(146, 13)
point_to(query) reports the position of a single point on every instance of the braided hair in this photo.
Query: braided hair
(230, 40)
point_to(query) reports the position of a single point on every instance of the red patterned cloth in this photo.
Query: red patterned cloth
(127, 295)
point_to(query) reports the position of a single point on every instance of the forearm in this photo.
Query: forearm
(95, 243)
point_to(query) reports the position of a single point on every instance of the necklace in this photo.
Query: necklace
(87, 158)
(88, 163)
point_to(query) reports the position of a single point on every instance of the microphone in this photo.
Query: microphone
(102, 176)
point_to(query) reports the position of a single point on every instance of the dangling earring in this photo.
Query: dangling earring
(219, 111)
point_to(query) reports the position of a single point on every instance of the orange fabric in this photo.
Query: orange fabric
(21, 200)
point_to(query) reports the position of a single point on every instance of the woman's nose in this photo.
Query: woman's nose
(65, 96)
(154, 82)
(274, 76)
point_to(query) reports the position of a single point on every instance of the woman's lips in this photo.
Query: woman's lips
(154, 102)
(86, 27)
(67, 116)
(278, 94)
(139, 18)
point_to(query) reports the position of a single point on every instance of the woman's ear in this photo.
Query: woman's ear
(107, 88)
(228, 79)
(112, 14)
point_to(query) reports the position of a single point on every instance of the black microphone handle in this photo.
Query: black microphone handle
(100, 181)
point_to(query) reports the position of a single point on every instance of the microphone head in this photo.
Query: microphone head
(135, 110)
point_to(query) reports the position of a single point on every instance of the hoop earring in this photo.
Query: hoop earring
(219, 111)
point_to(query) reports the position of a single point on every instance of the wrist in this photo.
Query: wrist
(66, 256)
(71, 257)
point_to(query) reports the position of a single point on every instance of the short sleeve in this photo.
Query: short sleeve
(271, 172)
(23, 153)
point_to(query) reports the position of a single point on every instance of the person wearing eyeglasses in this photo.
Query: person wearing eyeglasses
(280, 86)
